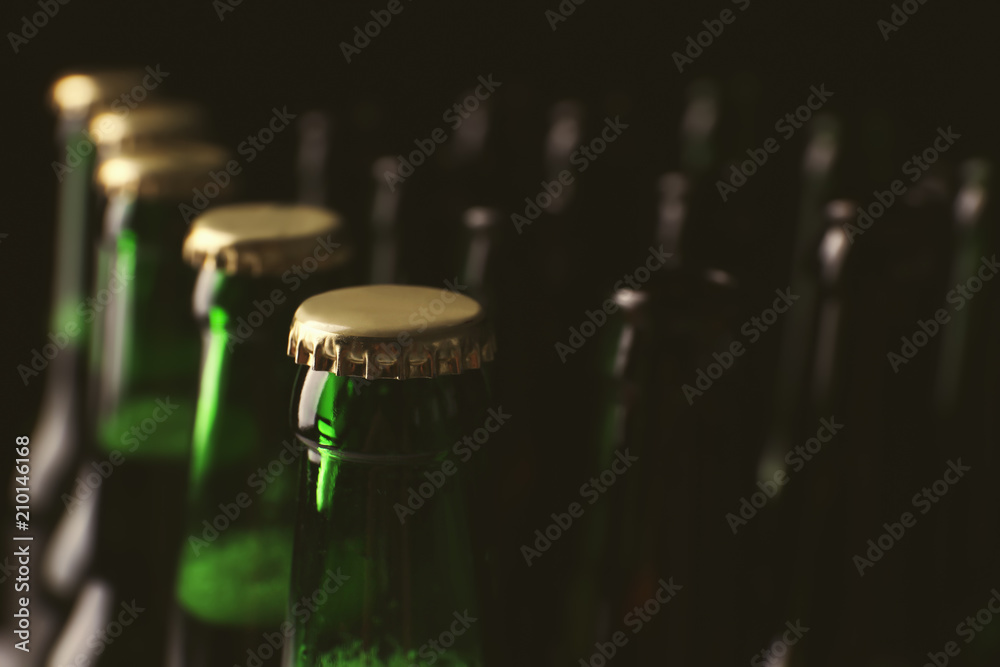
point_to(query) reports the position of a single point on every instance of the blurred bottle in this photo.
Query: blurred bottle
(604, 561)
(797, 559)
(255, 262)
(83, 101)
(698, 134)
(803, 357)
(652, 346)
(123, 519)
(481, 225)
(559, 204)
(965, 529)
(382, 545)
(971, 230)
(817, 185)
(314, 148)
(76, 98)
(468, 165)
(385, 257)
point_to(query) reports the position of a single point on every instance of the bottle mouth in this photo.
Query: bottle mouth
(316, 452)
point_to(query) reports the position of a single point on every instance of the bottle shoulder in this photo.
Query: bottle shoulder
(386, 418)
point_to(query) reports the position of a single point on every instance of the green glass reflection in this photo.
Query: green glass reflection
(241, 580)
(213, 368)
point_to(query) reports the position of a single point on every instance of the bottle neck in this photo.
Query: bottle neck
(382, 523)
(234, 569)
(245, 376)
(145, 346)
(65, 384)
(74, 228)
(417, 418)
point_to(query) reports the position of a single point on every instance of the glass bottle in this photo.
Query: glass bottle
(232, 584)
(120, 529)
(76, 98)
(391, 405)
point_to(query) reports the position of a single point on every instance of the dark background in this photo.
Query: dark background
(938, 70)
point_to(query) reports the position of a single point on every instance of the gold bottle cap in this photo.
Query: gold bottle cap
(84, 92)
(166, 173)
(390, 332)
(144, 126)
(266, 239)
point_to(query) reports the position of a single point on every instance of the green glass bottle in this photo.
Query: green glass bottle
(76, 98)
(608, 553)
(232, 582)
(64, 471)
(391, 406)
(144, 369)
(56, 442)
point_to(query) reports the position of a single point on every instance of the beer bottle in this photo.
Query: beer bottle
(964, 405)
(818, 180)
(144, 369)
(235, 559)
(605, 557)
(76, 98)
(390, 412)
(801, 531)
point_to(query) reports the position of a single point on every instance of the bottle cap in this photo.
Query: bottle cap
(266, 239)
(391, 332)
(146, 125)
(166, 173)
(85, 92)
